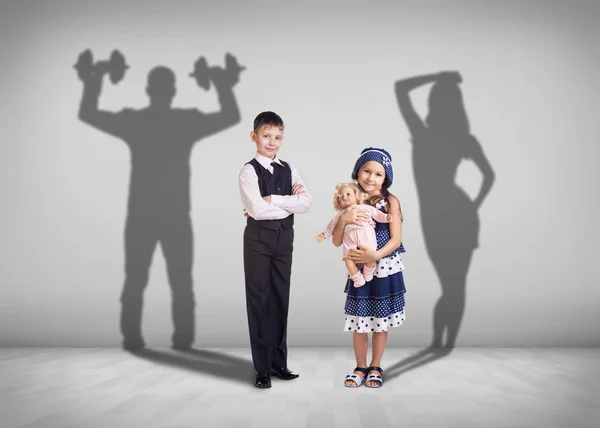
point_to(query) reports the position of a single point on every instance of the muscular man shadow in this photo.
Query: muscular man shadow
(160, 139)
(449, 217)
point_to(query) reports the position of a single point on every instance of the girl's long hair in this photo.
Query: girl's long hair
(384, 196)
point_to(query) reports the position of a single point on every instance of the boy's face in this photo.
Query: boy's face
(347, 196)
(268, 140)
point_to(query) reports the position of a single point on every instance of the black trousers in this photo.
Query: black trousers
(142, 234)
(268, 268)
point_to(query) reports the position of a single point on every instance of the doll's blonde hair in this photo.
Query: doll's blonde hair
(337, 198)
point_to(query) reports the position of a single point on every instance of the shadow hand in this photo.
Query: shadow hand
(451, 76)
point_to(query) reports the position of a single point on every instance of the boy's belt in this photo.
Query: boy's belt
(284, 223)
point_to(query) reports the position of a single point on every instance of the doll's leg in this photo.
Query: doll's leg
(351, 266)
(355, 273)
(369, 270)
(370, 240)
(349, 243)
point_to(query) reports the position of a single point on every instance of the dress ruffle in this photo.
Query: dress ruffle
(389, 266)
(373, 324)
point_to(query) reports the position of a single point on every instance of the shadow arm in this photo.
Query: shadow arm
(105, 121)
(228, 116)
(485, 167)
(413, 121)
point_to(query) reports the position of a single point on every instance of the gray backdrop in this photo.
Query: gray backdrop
(530, 89)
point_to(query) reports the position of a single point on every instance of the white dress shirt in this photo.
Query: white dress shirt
(281, 206)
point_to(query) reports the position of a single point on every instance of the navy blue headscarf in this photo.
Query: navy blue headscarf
(378, 155)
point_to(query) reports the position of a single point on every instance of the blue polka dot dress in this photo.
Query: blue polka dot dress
(379, 304)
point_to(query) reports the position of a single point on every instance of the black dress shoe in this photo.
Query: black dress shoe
(263, 380)
(283, 373)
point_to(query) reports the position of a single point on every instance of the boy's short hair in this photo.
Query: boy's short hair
(268, 118)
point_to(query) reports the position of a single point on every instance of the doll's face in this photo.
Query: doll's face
(347, 196)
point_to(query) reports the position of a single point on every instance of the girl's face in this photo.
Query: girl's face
(371, 177)
(347, 196)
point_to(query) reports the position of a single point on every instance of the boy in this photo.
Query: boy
(272, 192)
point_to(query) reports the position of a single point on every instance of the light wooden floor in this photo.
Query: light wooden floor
(470, 387)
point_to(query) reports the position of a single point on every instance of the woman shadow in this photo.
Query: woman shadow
(211, 363)
(449, 217)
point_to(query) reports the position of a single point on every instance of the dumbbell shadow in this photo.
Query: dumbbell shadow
(160, 139)
(115, 66)
(203, 74)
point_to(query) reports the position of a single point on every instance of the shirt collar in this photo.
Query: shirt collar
(265, 161)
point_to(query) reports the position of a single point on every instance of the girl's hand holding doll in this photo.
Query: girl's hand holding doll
(354, 216)
(363, 255)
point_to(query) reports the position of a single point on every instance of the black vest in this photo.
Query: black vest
(278, 183)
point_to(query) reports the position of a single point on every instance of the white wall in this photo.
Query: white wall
(530, 88)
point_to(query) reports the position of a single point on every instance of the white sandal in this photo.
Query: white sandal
(358, 380)
(375, 377)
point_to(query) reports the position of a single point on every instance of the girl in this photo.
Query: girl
(349, 195)
(380, 304)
